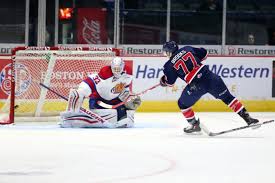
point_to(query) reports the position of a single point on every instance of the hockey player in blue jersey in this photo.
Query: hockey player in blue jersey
(186, 63)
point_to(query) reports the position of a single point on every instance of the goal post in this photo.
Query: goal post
(60, 68)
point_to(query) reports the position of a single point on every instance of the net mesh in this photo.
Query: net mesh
(59, 70)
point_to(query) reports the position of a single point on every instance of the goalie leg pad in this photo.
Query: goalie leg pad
(82, 120)
(121, 112)
(127, 122)
(78, 120)
(108, 114)
(75, 101)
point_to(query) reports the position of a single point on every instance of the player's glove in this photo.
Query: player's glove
(163, 81)
(133, 103)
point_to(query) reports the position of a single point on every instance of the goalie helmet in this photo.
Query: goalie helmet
(117, 66)
(169, 48)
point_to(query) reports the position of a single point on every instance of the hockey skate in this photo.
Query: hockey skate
(193, 128)
(249, 120)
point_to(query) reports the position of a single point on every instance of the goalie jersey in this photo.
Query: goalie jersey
(105, 87)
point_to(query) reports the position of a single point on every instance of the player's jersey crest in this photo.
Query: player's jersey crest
(118, 88)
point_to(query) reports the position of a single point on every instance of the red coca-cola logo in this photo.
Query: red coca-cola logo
(91, 31)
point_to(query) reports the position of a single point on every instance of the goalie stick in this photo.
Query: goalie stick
(90, 113)
(108, 106)
(212, 134)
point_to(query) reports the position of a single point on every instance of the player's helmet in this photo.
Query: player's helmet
(169, 48)
(117, 66)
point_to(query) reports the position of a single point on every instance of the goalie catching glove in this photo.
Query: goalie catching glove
(133, 103)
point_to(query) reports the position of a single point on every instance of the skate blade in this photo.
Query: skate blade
(194, 133)
(256, 126)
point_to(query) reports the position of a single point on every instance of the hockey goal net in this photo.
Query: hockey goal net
(59, 68)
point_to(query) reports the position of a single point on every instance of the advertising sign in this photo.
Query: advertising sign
(5, 76)
(5, 49)
(246, 77)
(156, 50)
(237, 50)
(91, 26)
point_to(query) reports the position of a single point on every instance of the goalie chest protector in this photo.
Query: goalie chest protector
(106, 85)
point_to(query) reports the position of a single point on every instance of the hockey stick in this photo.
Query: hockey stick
(90, 113)
(212, 134)
(108, 106)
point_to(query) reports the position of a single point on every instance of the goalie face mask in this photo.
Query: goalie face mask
(117, 66)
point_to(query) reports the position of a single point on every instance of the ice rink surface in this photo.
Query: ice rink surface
(155, 151)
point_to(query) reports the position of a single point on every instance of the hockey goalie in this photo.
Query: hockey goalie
(109, 86)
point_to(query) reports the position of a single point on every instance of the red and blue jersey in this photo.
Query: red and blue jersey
(186, 63)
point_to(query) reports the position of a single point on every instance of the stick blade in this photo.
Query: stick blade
(253, 126)
(205, 129)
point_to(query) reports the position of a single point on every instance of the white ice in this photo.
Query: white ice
(155, 151)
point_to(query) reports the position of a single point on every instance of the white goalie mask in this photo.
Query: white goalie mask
(117, 66)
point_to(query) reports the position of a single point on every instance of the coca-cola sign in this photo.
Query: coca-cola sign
(91, 32)
(91, 26)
